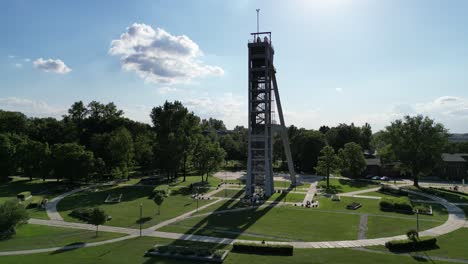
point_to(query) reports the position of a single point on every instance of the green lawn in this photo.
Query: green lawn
(282, 184)
(343, 185)
(286, 222)
(385, 195)
(132, 251)
(384, 227)
(371, 206)
(289, 197)
(126, 213)
(38, 188)
(35, 236)
(451, 245)
(231, 193)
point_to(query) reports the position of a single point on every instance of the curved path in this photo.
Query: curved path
(456, 220)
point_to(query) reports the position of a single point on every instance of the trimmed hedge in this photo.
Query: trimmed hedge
(23, 195)
(450, 191)
(388, 189)
(396, 204)
(271, 249)
(408, 245)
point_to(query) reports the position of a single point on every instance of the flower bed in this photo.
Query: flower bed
(354, 206)
(23, 196)
(113, 199)
(188, 253)
(408, 245)
(271, 249)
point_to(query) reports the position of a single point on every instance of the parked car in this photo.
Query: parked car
(384, 178)
(376, 178)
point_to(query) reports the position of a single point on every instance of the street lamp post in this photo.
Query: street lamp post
(417, 221)
(197, 197)
(141, 216)
(225, 190)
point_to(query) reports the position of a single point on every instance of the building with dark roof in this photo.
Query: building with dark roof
(454, 166)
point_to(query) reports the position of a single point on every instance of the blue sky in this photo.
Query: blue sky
(338, 61)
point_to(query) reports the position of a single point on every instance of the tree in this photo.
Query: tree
(13, 122)
(144, 154)
(97, 217)
(327, 162)
(338, 136)
(12, 215)
(121, 152)
(208, 157)
(366, 136)
(158, 199)
(412, 235)
(72, 161)
(305, 149)
(352, 159)
(7, 157)
(177, 130)
(34, 158)
(417, 143)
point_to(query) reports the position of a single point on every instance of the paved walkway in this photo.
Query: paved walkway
(362, 229)
(351, 194)
(456, 220)
(310, 193)
(51, 207)
(422, 258)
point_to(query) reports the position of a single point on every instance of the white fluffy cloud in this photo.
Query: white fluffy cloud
(51, 65)
(166, 89)
(157, 56)
(232, 109)
(30, 107)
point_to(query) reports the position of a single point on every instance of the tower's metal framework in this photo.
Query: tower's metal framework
(263, 92)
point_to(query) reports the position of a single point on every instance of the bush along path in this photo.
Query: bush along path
(456, 220)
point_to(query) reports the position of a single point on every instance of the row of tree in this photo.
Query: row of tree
(95, 141)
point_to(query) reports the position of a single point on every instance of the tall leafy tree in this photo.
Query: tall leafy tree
(328, 161)
(417, 143)
(305, 148)
(121, 152)
(176, 130)
(72, 162)
(13, 122)
(34, 158)
(12, 215)
(338, 136)
(208, 157)
(7, 157)
(353, 162)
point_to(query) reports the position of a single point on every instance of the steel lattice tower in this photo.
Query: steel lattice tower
(263, 90)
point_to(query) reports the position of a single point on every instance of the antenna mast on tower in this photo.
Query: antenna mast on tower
(258, 11)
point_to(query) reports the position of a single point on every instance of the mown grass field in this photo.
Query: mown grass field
(35, 236)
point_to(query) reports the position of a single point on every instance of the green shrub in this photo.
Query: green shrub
(164, 189)
(23, 195)
(386, 204)
(396, 204)
(81, 213)
(408, 245)
(218, 254)
(34, 202)
(272, 249)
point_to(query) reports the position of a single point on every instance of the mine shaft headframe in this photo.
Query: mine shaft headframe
(259, 37)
